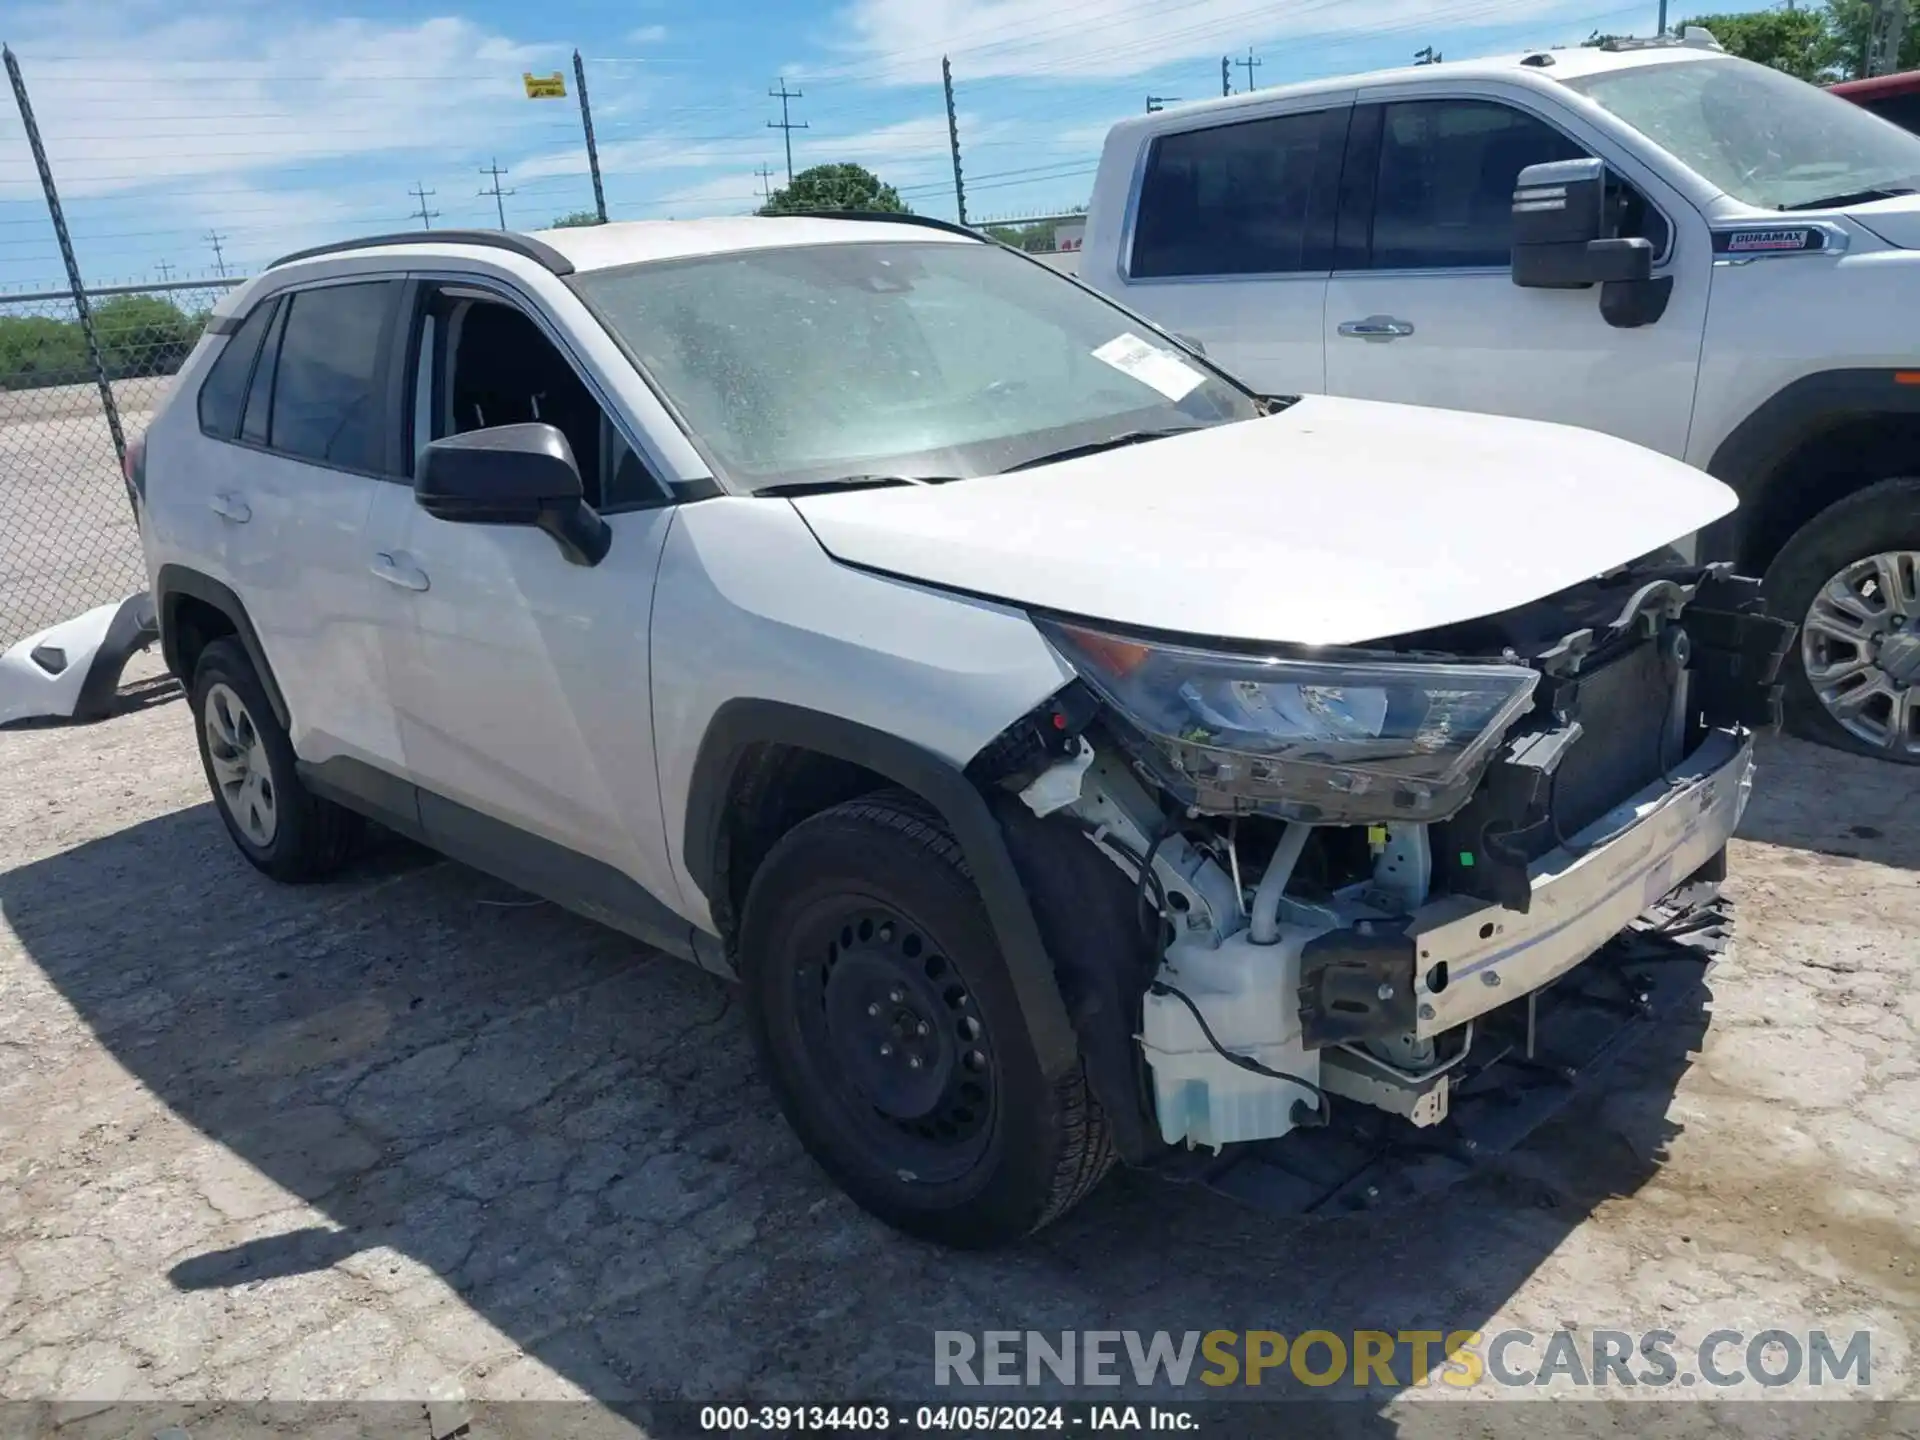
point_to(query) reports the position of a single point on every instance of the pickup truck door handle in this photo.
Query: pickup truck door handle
(230, 507)
(1376, 327)
(398, 572)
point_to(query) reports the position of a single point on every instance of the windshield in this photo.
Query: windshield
(930, 359)
(1761, 136)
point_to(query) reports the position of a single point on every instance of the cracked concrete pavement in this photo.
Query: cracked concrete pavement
(408, 1135)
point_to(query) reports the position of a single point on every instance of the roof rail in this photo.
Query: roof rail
(525, 245)
(899, 217)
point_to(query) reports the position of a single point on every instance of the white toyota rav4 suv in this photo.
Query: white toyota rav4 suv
(1071, 752)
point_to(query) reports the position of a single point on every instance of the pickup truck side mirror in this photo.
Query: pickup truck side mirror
(512, 475)
(1562, 241)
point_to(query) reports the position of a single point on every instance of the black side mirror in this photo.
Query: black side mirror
(512, 475)
(1562, 241)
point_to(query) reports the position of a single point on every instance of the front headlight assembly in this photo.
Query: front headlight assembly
(1322, 741)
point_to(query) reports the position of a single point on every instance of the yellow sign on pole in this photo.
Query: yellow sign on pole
(545, 87)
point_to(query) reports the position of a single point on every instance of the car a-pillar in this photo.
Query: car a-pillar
(1828, 474)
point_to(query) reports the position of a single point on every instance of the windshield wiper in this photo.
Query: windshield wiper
(849, 482)
(1852, 197)
(1094, 447)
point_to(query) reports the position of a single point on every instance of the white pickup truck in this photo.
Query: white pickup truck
(1649, 238)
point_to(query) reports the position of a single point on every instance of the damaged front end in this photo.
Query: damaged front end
(1354, 881)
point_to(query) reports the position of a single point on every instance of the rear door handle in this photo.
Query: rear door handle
(1376, 327)
(230, 507)
(398, 572)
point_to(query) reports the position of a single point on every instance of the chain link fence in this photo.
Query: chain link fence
(67, 537)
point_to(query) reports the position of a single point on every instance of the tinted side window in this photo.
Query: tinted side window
(1902, 110)
(1444, 197)
(1232, 200)
(253, 420)
(327, 384)
(225, 387)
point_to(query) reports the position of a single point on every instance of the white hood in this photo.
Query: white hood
(1331, 523)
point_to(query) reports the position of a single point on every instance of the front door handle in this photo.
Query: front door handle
(1376, 327)
(230, 507)
(396, 572)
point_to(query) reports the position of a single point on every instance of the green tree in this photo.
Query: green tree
(142, 335)
(1851, 21)
(37, 350)
(575, 218)
(834, 187)
(1800, 42)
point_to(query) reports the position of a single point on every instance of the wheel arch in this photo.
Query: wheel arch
(191, 609)
(738, 738)
(1815, 441)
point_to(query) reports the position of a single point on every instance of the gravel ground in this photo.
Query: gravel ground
(408, 1135)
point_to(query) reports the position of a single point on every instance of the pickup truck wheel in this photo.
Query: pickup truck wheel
(885, 1018)
(1851, 578)
(282, 829)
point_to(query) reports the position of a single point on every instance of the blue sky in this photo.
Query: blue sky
(280, 125)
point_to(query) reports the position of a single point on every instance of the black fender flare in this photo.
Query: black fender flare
(739, 724)
(1793, 414)
(177, 581)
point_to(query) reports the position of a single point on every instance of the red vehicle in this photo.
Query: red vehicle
(1891, 97)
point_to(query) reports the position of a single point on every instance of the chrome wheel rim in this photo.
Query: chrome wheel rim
(242, 774)
(1860, 646)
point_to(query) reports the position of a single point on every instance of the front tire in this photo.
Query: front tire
(1850, 578)
(282, 828)
(884, 1016)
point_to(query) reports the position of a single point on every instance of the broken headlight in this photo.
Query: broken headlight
(1325, 741)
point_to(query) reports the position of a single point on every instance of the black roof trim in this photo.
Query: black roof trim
(892, 217)
(535, 250)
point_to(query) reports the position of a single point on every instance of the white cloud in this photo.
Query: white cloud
(900, 42)
(131, 98)
(647, 35)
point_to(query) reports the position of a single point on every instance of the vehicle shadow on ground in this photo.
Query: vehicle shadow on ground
(570, 1132)
(1855, 807)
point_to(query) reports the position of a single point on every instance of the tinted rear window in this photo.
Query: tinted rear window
(1233, 199)
(225, 387)
(327, 383)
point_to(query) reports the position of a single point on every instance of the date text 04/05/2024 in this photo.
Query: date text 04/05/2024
(957, 1419)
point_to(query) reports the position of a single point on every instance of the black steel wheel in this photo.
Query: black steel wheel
(885, 1018)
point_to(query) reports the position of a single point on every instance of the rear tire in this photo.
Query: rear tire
(281, 827)
(884, 1016)
(1829, 555)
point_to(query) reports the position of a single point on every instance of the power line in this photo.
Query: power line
(214, 237)
(499, 195)
(785, 123)
(424, 215)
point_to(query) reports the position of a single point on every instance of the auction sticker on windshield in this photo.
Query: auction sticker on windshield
(1150, 365)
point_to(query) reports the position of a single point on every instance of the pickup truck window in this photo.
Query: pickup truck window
(1233, 199)
(1762, 137)
(1444, 198)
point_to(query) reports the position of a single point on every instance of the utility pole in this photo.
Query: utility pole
(953, 141)
(765, 173)
(82, 310)
(785, 123)
(1884, 39)
(423, 215)
(165, 267)
(586, 124)
(1248, 66)
(1226, 79)
(1663, 18)
(498, 194)
(214, 237)
(1160, 102)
